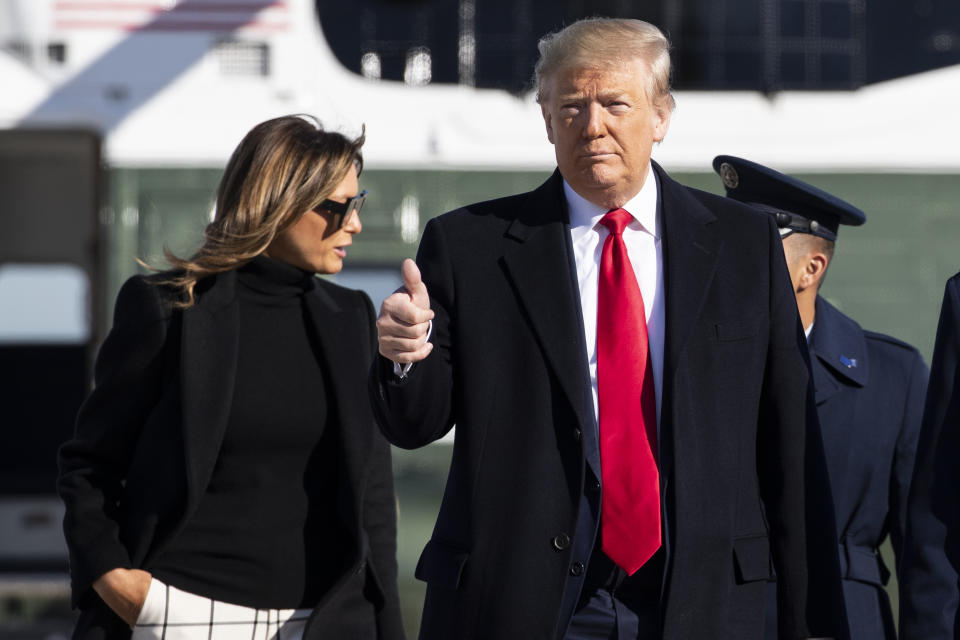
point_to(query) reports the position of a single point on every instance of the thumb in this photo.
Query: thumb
(414, 284)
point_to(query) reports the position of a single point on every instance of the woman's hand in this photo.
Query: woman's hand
(124, 591)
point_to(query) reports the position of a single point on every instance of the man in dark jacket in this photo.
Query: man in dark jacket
(869, 392)
(624, 363)
(931, 560)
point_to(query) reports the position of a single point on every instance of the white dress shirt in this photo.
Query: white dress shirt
(645, 249)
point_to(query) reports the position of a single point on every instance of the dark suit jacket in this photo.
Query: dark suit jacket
(930, 568)
(869, 393)
(148, 436)
(509, 368)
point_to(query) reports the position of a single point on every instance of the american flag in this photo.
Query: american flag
(172, 15)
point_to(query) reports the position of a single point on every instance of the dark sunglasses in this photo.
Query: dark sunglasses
(342, 210)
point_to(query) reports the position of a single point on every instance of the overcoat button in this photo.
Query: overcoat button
(576, 434)
(576, 569)
(561, 541)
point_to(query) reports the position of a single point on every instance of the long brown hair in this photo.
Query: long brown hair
(282, 169)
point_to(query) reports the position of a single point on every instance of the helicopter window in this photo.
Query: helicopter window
(57, 53)
(243, 58)
(754, 45)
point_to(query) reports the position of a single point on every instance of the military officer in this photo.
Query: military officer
(869, 392)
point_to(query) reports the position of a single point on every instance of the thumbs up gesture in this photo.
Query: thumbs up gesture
(405, 318)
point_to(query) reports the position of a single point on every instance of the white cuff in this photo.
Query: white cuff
(401, 370)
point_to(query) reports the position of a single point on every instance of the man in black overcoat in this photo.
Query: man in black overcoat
(931, 563)
(504, 328)
(869, 391)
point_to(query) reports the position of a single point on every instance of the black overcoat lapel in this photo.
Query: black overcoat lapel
(345, 370)
(539, 267)
(208, 365)
(690, 254)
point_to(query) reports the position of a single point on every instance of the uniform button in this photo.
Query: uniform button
(576, 434)
(593, 485)
(576, 569)
(363, 565)
(561, 541)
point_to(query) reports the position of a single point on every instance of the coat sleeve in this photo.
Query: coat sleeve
(929, 566)
(905, 453)
(420, 408)
(94, 463)
(793, 476)
(380, 517)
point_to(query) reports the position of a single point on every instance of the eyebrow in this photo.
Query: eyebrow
(603, 96)
(342, 198)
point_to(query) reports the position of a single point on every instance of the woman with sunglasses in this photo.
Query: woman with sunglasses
(226, 478)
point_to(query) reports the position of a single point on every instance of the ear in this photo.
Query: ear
(547, 120)
(814, 270)
(661, 118)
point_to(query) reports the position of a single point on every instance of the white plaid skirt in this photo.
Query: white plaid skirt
(172, 614)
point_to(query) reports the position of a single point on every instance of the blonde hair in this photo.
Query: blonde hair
(282, 169)
(604, 42)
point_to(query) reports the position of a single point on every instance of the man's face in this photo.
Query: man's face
(603, 125)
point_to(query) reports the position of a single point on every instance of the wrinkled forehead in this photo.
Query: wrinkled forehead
(603, 76)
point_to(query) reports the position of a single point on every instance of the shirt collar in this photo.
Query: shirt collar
(643, 207)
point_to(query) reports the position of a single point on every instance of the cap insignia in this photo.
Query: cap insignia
(729, 176)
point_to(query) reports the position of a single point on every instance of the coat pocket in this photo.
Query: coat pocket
(441, 565)
(150, 620)
(751, 559)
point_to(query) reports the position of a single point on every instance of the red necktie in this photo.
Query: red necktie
(630, 503)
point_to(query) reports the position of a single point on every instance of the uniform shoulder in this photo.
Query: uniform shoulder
(891, 344)
(890, 354)
(953, 287)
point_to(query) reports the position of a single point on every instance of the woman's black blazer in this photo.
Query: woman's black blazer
(149, 434)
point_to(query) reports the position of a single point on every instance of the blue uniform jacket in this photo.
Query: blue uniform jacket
(869, 393)
(931, 558)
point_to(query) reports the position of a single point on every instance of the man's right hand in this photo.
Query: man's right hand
(405, 319)
(124, 591)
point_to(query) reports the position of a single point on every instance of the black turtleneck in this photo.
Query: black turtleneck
(256, 537)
